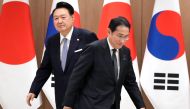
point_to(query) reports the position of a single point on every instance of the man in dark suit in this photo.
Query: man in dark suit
(102, 69)
(62, 52)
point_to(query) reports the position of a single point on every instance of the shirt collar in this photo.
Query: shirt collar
(110, 46)
(68, 37)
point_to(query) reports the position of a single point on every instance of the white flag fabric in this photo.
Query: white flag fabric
(17, 55)
(48, 88)
(112, 9)
(164, 75)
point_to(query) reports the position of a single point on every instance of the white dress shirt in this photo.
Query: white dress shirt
(117, 55)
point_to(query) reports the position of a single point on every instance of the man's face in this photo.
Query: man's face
(119, 36)
(63, 21)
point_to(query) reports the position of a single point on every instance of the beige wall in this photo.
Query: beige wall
(90, 11)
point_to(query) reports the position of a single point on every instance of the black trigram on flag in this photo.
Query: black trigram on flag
(166, 81)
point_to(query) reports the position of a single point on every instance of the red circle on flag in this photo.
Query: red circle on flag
(16, 44)
(77, 19)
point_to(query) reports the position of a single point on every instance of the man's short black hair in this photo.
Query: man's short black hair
(64, 5)
(118, 21)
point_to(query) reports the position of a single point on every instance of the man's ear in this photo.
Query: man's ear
(109, 31)
(73, 17)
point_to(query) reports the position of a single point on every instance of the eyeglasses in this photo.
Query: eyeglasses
(123, 37)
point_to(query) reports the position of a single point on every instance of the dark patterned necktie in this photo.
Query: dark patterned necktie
(114, 60)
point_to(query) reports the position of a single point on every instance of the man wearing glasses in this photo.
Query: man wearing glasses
(102, 69)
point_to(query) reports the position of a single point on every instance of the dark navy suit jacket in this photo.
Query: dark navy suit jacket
(51, 63)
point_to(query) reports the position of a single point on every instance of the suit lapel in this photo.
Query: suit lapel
(57, 50)
(75, 40)
(123, 61)
(108, 60)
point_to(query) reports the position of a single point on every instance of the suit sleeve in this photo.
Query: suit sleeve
(80, 71)
(131, 86)
(42, 73)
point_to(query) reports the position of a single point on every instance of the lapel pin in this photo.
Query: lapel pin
(78, 40)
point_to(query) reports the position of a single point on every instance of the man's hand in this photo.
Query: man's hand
(30, 98)
(65, 107)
